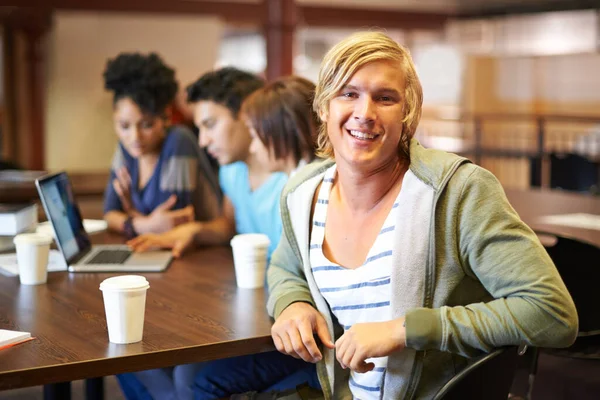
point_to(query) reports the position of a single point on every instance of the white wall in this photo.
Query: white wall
(79, 131)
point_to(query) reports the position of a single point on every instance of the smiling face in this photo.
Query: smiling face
(226, 138)
(140, 134)
(364, 120)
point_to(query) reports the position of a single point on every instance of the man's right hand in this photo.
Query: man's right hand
(179, 239)
(293, 332)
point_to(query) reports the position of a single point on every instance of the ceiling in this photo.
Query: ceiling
(464, 8)
(479, 8)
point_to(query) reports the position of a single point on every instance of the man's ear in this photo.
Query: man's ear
(323, 116)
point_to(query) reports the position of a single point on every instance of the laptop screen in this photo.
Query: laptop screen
(62, 211)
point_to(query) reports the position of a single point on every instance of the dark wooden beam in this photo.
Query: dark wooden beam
(257, 13)
(37, 20)
(9, 120)
(27, 150)
(358, 17)
(36, 62)
(476, 10)
(231, 11)
(279, 35)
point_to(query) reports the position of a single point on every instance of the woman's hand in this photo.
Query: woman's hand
(369, 340)
(179, 239)
(163, 219)
(293, 332)
(122, 186)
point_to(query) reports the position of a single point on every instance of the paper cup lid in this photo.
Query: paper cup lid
(124, 282)
(32, 238)
(250, 239)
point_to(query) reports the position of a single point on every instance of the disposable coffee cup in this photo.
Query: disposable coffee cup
(250, 259)
(32, 257)
(125, 304)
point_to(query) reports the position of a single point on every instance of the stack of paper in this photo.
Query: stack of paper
(17, 218)
(90, 226)
(10, 267)
(10, 338)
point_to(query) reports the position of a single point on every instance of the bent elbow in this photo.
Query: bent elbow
(560, 334)
(567, 333)
(570, 331)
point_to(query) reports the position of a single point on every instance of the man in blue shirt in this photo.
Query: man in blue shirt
(250, 205)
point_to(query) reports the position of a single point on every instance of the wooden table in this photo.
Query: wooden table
(535, 203)
(194, 312)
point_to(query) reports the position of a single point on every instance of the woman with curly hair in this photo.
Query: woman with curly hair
(159, 176)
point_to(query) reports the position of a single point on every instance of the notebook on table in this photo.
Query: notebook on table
(74, 243)
(11, 338)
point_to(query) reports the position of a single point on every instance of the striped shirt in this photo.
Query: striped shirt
(355, 295)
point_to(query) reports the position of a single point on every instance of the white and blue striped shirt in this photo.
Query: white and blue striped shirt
(355, 295)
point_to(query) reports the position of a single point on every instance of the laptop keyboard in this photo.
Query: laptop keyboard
(110, 257)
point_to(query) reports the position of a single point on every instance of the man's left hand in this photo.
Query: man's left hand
(369, 340)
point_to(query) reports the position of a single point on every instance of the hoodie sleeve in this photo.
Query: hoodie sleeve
(285, 276)
(531, 303)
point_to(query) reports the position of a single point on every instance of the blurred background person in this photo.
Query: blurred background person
(159, 177)
(282, 124)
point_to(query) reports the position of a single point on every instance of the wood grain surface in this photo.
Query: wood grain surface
(194, 312)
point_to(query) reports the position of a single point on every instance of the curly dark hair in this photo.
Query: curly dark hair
(226, 86)
(145, 79)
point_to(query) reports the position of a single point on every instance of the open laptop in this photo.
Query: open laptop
(74, 243)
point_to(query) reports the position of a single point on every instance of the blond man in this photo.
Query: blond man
(404, 262)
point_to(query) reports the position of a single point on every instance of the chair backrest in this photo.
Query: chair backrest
(489, 378)
(573, 172)
(578, 264)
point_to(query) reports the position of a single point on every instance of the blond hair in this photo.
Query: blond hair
(347, 57)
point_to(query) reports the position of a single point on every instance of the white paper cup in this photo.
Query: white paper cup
(250, 259)
(125, 304)
(32, 256)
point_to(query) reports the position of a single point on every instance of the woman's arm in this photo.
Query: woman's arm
(116, 220)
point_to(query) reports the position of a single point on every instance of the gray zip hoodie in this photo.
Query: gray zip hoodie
(485, 280)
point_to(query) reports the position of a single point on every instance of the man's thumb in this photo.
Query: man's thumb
(178, 249)
(323, 332)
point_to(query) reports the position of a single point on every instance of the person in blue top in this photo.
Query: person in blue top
(251, 190)
(159, 176)
(282, 124)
